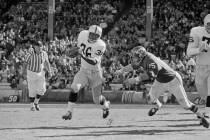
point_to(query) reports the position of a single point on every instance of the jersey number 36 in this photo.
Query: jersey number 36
(86, 50)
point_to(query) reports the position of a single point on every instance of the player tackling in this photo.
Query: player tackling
(165, 79)
(91, 50)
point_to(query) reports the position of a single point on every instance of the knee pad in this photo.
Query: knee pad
(73, 96)
(208, 101)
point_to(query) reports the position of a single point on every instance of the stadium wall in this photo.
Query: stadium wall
(85, 96)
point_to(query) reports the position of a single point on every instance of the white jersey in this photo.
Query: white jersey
(90, 50)
(198, 37)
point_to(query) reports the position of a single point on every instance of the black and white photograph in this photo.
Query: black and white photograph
(104, 69)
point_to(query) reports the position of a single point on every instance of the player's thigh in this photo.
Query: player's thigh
(156, 90)
(176, 88)
(96, 79)
(96, 84)
(80, 81)
(208, 80)
(201, 80)
(97, 92)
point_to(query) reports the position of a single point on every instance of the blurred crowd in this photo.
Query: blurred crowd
(26, 20)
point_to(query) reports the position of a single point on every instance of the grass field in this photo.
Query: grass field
(126, 122)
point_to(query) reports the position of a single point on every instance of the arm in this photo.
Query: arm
(151, 75)
(152, 69)
(127, 68)
(24, 70)
(47, 64)
(193, 44)
(25, 65)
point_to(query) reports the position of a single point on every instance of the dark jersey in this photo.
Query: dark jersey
(158, 69)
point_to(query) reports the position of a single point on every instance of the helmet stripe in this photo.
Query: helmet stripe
(95, 30)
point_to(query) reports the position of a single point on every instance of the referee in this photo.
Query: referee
(36, 62)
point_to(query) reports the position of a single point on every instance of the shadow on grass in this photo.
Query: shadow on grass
(74, 127)
(96, 131)
(168, 120)
(109, 126)
(123, 132)
(187, 113)
(160, 114)
(184, 125)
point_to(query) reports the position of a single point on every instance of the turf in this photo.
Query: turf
(126, 122)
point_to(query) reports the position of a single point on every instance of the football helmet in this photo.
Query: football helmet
(95, 33)
(138, 53)
(207, 23)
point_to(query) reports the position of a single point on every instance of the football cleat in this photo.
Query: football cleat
(67, 116)
(152, 111)
(37, 106)
(203, 115)
(105, 113)
(106, 109)
(204, 122)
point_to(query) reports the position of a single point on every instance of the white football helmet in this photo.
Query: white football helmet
(95, 33)
(207, 23)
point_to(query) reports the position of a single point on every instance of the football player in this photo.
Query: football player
(91, 49)
(199, 46)
(165, 79)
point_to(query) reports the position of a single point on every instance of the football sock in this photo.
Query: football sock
(32, 101)
(208, 101)
(36, 101)
(158, 104)
(32, 104)
(70, 106)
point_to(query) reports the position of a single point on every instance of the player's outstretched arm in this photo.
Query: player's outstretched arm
(127, 68)
(134, 80)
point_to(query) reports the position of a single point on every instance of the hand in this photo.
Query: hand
(204, 47)
(131, 81)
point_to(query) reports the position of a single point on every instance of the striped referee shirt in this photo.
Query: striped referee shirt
(34, 61)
